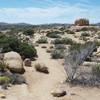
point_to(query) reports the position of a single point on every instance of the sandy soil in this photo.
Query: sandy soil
(40, 85)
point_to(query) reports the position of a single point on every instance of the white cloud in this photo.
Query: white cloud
(62, 13)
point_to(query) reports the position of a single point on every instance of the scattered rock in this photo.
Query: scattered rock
(41, 68)
(59, 93)
(27, 62)
(14, 62)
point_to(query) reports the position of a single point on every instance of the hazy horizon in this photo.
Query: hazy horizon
(48, 11)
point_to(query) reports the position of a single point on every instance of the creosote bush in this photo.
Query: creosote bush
(13, 44)
(42, 40)
(53, 35)
(41, 68)
(70, 32)
(2, 66)
(57, 54)
(96, 70)
(63, 41)
(29, 32)
(85, 34)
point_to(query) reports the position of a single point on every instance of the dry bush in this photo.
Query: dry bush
(41, 68)
(43, 46)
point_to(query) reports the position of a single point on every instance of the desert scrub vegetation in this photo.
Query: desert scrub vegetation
(5, 81)
(9, 43)
(42, 40)
(44, 46)
(96, 70)
(63, 41)
(2, 66)
(74, 59)
(53, 35)
(58, 52)
(41, 68)
(29, 32)
(85, 34)
(76, 46)
(70, 32)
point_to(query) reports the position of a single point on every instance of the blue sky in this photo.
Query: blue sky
(48, 11)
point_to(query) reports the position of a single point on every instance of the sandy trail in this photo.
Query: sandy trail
(42, 87)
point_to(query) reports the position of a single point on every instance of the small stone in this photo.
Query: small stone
(27, 62)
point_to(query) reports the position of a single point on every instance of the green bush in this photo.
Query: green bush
(57, 54)
(2, 66)
(27, 51)
(4, 80)
(60, 47)
(70, 32)
(29, 32)
(63, 41)
(85, 34)
(43, 39)
(96, 70)
(13, 44)
(53, 35)
(76, 46)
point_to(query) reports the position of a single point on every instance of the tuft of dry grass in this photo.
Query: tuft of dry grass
(41, 68)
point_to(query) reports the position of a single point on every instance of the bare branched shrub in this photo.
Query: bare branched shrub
(77, 57)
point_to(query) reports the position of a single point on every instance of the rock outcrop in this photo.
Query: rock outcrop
(14, 62)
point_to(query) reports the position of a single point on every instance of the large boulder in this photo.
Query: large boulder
(14, 62)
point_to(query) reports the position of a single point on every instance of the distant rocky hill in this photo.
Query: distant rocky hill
(4, 26)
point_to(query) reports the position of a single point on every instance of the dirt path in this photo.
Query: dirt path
(44, 84)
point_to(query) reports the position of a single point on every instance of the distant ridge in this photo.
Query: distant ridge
(4, 26)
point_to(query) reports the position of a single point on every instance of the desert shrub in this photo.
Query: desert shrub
(63, 41)
(27, 51)
(29, 32)
(4, 81)
(57, 32)
(96, 70)
(9, 43)
(57, 54)
(60, 46)
(76, 46)
(48, 50)
(13, 44)
(51, 47)
(85, 34)
(62, 28)
(43, 39)
(41, 68)
(97, 43)
(44, 46)
(2, 66)
(70, 32)
(53, 35)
